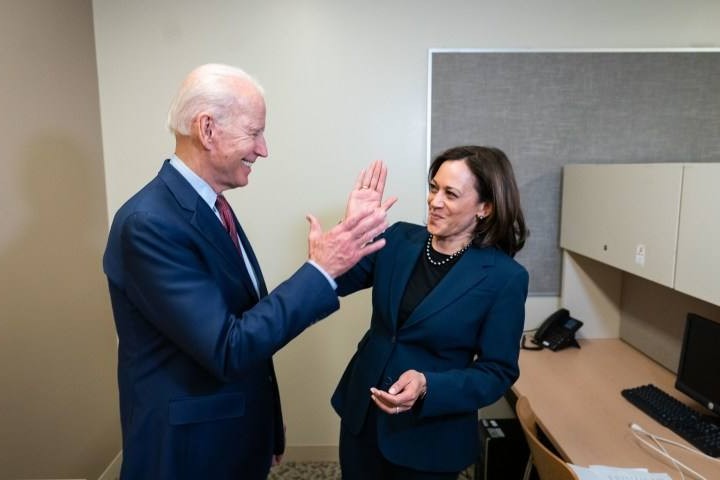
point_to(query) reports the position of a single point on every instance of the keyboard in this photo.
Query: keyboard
(700, 430)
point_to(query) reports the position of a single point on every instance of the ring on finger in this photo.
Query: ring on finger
(397, 410)
(364, 187)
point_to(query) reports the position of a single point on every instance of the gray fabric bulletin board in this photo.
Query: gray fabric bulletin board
(548, 109)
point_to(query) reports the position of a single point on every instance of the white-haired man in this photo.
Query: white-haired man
(196, 326)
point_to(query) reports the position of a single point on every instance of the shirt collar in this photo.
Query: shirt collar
(199, 185)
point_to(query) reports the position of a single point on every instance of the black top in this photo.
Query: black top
(424, 278)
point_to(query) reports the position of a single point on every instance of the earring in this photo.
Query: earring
(480, 218)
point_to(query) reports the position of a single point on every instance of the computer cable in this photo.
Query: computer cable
(637, 431)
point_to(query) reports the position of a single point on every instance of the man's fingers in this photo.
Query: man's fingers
(315, 228)
(375, 222)
(353, 220)
(364, 228)
(368, 237)
(372, 247)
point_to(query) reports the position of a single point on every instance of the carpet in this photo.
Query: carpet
(322, 471)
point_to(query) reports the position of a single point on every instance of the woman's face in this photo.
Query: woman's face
(453, 203)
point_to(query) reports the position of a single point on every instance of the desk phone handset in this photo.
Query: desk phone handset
(557, 331)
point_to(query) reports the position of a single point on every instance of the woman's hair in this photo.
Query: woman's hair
(495, 183)
(209, 88)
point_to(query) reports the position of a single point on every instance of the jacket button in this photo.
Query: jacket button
(393, 339)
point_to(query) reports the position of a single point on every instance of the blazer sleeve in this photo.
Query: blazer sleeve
(357, 278)
(172, 286)
(362, 275)
(496, 367)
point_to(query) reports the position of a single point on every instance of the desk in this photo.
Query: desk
(576, 397)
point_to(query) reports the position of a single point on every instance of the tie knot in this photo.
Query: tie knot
(221, 202)
(224, 209)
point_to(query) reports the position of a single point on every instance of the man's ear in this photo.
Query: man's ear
(205, 130)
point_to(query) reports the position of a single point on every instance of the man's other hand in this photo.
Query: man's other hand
(340, 248)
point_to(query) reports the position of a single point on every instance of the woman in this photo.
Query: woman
(448, 312)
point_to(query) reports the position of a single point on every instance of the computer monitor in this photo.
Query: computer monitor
(699, 370)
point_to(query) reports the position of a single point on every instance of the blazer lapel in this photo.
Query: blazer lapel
(253, 260)
(406, 258)
(470, 270)
(207, 224)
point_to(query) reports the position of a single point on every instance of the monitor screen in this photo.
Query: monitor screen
(699, 370)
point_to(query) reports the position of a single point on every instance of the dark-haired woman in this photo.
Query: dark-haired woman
(448, 311)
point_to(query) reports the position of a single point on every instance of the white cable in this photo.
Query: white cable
(637, 430)
(694, 450)
(675, 463)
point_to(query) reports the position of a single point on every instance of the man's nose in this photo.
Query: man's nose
(261, 147)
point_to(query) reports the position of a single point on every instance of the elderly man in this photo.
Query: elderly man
(196, 326)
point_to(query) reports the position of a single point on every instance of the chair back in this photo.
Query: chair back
(548, 465)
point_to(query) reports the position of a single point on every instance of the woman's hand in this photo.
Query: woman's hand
(402, 395)
(368, 191)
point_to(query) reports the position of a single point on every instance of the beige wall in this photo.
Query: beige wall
(653, 318)
(346, 83)
(58, 405)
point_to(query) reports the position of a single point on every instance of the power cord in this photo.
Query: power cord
(638, 432)
(527, 346)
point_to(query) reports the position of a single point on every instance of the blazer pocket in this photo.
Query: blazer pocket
(206, 409)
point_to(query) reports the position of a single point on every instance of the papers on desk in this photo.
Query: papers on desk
(600, 472)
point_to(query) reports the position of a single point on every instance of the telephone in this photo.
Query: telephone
(556, 332)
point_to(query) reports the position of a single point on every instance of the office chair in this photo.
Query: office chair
(548, 465)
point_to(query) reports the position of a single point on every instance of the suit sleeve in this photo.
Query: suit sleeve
(172, 286)
(496, 367)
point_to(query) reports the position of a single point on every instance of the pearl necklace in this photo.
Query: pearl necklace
(442, 262)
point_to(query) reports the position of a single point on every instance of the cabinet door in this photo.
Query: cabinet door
(624, 215)
(698, 258)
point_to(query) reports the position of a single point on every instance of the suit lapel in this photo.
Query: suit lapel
(253, 260)
(470, 270)
(207, 224)
(406, 258)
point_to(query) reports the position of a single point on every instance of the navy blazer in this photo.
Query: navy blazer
(198, 396)
(464, 336)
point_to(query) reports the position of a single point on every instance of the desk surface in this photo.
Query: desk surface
(576, 397)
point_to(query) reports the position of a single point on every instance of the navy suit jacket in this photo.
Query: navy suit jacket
(464, 336)
(198, 396)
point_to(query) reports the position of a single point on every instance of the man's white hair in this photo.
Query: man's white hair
(208, 88)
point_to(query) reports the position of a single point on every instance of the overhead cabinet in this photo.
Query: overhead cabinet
(626, 216)
(698, 259)
(657, 221)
